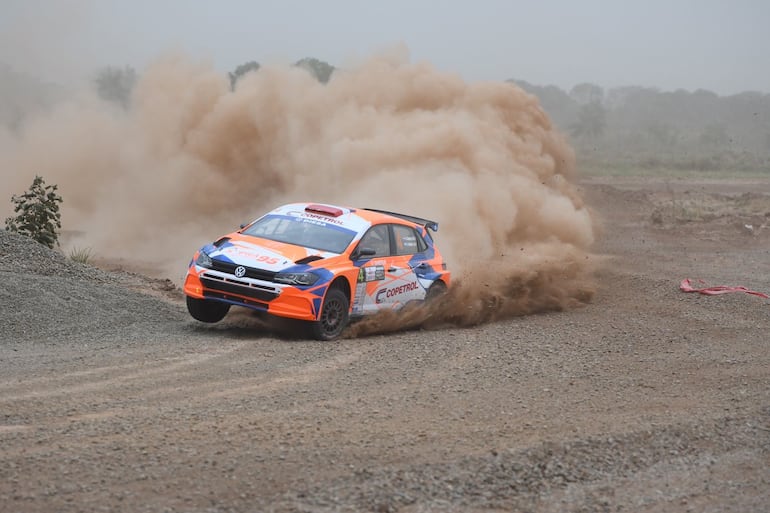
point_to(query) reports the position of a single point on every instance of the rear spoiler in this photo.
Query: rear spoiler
(433, 225)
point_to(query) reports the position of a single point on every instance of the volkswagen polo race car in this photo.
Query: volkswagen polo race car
(320, 263)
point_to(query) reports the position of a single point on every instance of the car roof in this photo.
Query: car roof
(357, 219)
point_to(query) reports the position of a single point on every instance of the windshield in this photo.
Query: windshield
(300, 231)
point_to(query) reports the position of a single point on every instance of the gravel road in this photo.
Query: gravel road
(647, 399)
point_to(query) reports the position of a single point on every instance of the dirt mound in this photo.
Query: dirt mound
(22, 255)
(45, 297)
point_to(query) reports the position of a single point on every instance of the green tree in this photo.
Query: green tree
(714, 136)
(240, 71)
(587, 93)
(591, 122)
(321, 70)
(662, 136)
(116, 84)
(560, 107)
(37, 213)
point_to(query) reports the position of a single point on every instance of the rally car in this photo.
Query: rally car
(319, 263)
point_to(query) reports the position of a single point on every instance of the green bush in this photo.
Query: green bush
(37, 213)
(81, 255)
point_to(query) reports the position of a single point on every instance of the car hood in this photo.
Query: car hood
(263, 253)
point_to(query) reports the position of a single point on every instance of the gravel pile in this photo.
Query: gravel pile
(22, 255)
(46, 298)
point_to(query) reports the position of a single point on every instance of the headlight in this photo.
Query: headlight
(296, 278)
(203, 259)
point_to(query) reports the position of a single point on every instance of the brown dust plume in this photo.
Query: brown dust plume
(192, 159)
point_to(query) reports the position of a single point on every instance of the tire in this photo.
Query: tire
(435, 291)
(206, 310)
(334, 316)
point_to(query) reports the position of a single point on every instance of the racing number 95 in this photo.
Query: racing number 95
(267, 259)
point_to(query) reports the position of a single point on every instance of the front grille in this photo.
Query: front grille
(227, 287)
(251, 272)
(258, 305)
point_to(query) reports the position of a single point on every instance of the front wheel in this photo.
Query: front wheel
(334, 316)
(206, 310)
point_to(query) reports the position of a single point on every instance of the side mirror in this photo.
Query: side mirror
(363, 252)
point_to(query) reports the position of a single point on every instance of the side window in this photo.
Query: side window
(408, 241)
(378, 239)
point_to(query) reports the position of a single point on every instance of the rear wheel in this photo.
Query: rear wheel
(206, 310)
(334, 316)
(435, 291)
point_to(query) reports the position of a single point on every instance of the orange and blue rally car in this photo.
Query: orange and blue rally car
(319, 263)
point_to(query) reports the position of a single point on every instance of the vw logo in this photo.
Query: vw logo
(240, 271)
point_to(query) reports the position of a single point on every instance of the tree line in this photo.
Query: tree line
(646, 127)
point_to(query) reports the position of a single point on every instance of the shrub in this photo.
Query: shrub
(81, 255)
(37, 213)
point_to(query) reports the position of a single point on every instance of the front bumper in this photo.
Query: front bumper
(283, 301)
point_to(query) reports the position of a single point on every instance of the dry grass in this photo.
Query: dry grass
(81, 255)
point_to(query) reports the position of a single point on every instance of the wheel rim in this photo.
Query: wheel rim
(332, 316)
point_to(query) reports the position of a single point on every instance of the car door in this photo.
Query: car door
(385, 280)
(405, 285)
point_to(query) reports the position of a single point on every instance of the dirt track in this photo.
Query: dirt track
(647, 399)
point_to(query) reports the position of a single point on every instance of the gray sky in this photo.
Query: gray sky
(723, 46)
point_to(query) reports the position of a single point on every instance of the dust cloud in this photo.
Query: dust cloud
(192, 159)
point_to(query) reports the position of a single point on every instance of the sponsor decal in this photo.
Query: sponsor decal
(371, 273)
(358, 301)
(309, 217)
(384, 294)
(322, 220)
(244, 253)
